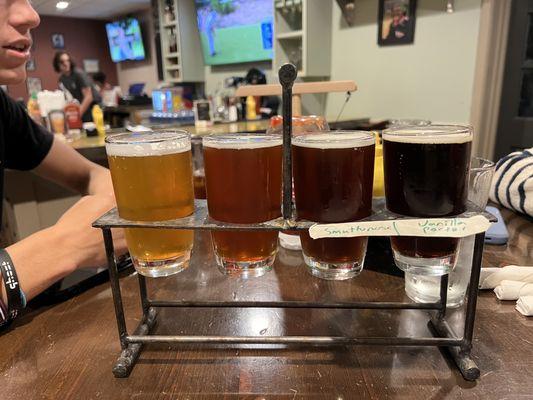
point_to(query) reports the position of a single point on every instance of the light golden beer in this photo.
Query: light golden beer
(152, 179)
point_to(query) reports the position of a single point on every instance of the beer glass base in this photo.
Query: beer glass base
(160, 268)
(333, 271)
(245, 269)
(437, 266)
(426, 289)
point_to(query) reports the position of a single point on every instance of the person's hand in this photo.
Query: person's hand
(84, 242)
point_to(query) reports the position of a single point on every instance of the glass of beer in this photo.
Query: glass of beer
(243, 182)
(333, 174)
(426, 175)
(152, 179)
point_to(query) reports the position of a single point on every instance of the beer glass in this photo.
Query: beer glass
(333, 174)
(243, 182)
(426, 289)
(426, 175)
(152, 179)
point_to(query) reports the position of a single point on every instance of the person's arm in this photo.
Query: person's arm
(72, 242)
(66, 167)
(87, 99)
(84, 82)
(51, 254)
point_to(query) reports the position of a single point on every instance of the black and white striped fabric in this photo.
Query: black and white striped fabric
(512, 185)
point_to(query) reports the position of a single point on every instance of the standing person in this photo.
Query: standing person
(77, 83)
(34, 263)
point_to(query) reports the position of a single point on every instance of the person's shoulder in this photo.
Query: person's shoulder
(6, 103)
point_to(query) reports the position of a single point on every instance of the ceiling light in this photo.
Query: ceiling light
(61, 5)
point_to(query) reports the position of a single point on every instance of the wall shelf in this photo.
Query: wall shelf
(290, 35)
(190, 67)
(303, 36)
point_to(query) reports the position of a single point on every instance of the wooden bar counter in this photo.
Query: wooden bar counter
(66, 351)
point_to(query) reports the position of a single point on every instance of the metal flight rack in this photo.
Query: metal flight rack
(459, 347)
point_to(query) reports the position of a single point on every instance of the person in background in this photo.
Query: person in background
(77, 83)
(268, 104)
(34, 263)
(110, 95)
(100, 82)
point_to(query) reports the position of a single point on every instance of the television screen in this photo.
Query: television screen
(234, 31)
(125, 40)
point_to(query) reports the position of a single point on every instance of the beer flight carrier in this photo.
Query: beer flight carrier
(458, 346)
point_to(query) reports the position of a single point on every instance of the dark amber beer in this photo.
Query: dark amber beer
(243, 184)
(152, 180)
(426, 175)
(333, 176)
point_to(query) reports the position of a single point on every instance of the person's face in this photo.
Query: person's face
(396, 14)
(17, 18)
(64, 63)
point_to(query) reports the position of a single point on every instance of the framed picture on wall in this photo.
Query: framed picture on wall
(58, 41)
(34, 85)
(396, 22)
(203, 113)
(91, 66)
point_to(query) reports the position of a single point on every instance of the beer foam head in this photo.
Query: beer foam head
(335, 140)
(147, 144)
(432, 134)
(243, 141)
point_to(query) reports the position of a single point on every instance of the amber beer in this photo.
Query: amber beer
(243, 182)
(333, 176)
(152, 179)
(426, 175)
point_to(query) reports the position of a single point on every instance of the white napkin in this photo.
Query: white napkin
(512, 290)
(492, 277)
(524, 305)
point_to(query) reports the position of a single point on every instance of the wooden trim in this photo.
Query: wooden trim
(488, 74)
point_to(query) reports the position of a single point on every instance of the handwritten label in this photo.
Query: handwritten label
(431, 227)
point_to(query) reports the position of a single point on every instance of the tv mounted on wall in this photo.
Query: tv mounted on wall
(235, 31)
(125, 40)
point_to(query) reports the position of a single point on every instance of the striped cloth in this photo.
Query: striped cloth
(512, 185)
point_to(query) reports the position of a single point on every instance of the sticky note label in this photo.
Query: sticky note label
(430, 227)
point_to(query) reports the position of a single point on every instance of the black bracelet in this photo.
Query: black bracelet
(11, 284)
(3, 314)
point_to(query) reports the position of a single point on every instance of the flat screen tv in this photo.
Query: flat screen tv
(235, 31)
(125, 40)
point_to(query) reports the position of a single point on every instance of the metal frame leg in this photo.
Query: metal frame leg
(443, 296)
(115, 286)
(144, 297)
(441, 328)
(130, 351)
